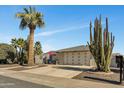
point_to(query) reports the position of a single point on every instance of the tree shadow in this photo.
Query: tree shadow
(97, 78)
(74, 68)
(102, 80)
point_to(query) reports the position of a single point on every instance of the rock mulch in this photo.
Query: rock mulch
(111, 77)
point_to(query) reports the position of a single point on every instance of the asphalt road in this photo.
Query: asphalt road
(6, 82)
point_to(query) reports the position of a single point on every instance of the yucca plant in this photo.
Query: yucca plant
(38, 48)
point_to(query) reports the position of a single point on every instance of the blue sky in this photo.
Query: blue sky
(65, 26)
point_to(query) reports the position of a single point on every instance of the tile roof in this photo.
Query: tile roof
(77, 48)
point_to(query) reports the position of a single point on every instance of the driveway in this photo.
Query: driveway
(57, 70)
(65, 71)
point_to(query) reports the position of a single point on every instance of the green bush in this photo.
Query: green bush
(6, 52)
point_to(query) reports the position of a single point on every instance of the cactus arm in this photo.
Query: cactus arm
(90, 32)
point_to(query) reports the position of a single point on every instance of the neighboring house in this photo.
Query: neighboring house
(79, 55)
(49, 57)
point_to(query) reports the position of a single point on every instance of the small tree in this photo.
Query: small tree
(38, 48)
(6, 52)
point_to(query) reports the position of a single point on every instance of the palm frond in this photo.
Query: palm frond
(27, 18)
(30, 18)
(20, 15)
(21, 42)
(31, 10)
(40, 23)
(26, 10)
(23, 24)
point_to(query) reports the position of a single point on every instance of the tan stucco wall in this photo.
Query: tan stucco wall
(75, 58)
(79, 58)
(60, 57)
(113, 61)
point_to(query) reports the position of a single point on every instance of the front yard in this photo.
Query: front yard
(70, 72)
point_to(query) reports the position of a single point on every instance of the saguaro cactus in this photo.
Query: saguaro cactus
(101, 45)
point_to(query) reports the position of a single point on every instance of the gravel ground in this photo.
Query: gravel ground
(99, 77)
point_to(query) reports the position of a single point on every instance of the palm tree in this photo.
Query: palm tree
(30, 18)
(21, 46)
(14, 44)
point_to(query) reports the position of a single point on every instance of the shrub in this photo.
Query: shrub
(6, 52)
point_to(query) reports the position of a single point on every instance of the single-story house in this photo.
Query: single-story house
(79, 55)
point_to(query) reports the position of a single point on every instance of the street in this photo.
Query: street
(7, 82)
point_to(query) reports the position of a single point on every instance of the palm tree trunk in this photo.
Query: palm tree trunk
(16, 56)
(31, 48)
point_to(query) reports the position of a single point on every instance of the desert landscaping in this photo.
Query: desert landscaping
(28, 61)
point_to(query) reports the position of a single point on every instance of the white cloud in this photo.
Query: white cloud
(49, 33)
(5, 38)
(47, 47)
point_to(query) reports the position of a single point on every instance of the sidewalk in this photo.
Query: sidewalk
(57, 82)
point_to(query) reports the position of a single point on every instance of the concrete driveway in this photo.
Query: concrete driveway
(65, 71)
(57, 71)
